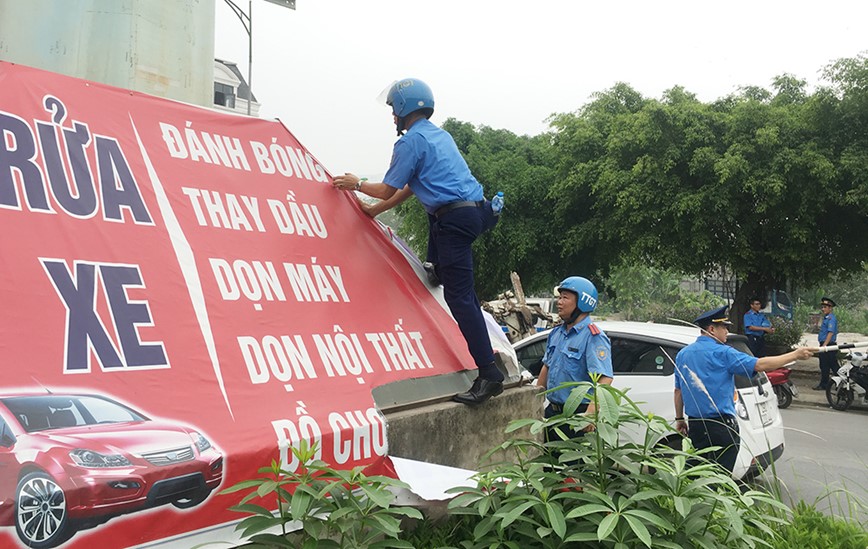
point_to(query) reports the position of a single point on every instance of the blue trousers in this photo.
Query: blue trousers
(450, 238)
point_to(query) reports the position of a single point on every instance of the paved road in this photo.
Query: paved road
(825, 461)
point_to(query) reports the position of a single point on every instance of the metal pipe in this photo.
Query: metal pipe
(249, 55)
(831, 348)
(247, 21)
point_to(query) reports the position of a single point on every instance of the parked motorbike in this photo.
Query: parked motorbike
(850, 384)
(782, 386)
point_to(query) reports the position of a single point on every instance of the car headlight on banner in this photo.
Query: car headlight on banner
(201, 442)
(95, 460)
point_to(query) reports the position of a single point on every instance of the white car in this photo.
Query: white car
(642, 359)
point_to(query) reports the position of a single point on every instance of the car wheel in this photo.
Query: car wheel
(839, 396)
(785, 398)
(41, 517)
(192, 501)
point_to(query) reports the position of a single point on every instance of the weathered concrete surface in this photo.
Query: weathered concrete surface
(448, 433)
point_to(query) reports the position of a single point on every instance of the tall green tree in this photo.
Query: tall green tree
(771, 186)
(524, 240)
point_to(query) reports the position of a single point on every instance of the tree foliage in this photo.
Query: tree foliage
(525, 240)
(769, 184)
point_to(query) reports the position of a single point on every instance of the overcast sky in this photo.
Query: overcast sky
(510, 64)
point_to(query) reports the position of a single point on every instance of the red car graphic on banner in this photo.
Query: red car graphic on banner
(82, 459)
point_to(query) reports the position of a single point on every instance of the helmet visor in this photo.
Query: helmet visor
(383, 97)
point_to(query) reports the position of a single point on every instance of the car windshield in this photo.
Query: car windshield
(45, 412)
(636, 355)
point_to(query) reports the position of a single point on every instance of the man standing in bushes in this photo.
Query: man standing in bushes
(575, 349)
(756, 326)
(828, 336)
(705, 383)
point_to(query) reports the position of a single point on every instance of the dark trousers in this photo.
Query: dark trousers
(757, 345)
(450, 238)
(553, 410)
(720, 431)
(828, 366)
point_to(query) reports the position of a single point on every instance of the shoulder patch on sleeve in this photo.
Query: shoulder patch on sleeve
(594, 330)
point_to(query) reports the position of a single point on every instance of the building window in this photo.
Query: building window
(224, 95)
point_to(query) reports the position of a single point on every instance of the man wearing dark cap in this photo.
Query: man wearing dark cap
(828, 336)
(705, 384)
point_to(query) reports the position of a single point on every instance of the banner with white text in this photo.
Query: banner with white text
(185, 297)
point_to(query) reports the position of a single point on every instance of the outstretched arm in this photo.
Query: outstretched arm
(768, 363)
(352, 182)
(377, 208)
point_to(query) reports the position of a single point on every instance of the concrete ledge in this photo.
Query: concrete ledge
(448, 433)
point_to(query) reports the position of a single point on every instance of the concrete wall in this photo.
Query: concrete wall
(448, 433)
(156, 47)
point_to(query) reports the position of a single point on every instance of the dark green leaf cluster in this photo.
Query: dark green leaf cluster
(771, 185)
(331, 508)
(811, 529)
(526, 240)
(603, 491)
(787, 332)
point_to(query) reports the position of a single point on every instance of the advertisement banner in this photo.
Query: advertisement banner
(185, 296)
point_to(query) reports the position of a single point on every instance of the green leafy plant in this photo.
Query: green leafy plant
(601, 490)
(329, 508)
(811, 529)
(787, 332)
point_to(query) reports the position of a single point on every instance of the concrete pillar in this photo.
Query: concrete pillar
(155, 47)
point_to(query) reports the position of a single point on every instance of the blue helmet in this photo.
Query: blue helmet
(410, 95)
(586, 292)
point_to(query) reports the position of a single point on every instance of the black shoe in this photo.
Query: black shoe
(818, 388)
(479, 392)
(431, 272)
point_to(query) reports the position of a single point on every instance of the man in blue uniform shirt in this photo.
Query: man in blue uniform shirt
(575, 349)
(756, 326)
(827, 336)
(426, 162)
(705, 385)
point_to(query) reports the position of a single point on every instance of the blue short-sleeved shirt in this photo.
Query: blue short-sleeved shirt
(427, 159)
(704, 371)
(571, 355)
(829, 324)
(755, 319)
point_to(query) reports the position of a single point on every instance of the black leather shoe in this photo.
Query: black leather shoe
(479, 392)
(431, 272)
(818, 388)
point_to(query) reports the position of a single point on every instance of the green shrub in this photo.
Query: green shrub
(336, 509)
(811, 529)
(685, 308)
(787, 332)
(598, 491)
(852, 320)
(601, 491)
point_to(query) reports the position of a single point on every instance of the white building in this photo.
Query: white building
(231, 92)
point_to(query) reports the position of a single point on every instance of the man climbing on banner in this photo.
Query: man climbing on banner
(426, 162)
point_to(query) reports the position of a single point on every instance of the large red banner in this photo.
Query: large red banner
(185, 297)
